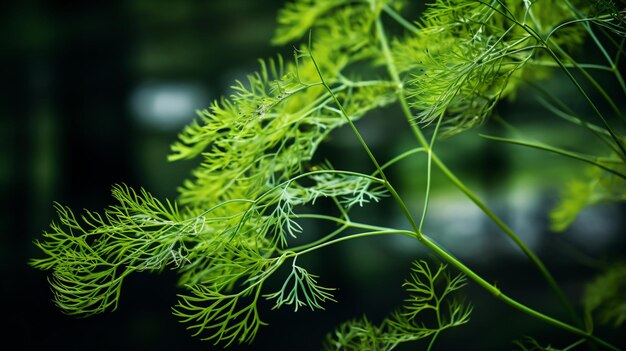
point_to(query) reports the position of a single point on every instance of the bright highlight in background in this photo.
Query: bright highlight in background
(167, 106)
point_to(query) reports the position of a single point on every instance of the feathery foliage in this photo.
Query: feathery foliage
(301, 290)
(234, 224)
(598, 186)
(470, 54)
(530, 344)
(605, 297)
(429, 292)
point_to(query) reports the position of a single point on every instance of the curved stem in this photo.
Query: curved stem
(592, 80)
(564, 112)
(614, 69)
(508, 300)
(345, 224)
(393, 72)
(422, 140)
(576, 156)
(449, 258)
(582, 91)
(429, 243)
(319, 241)
(354, 236)
(511, 234)
(406, 24)
(571, 65)
(388, 185)
(429, 172)
(432, 340)
(400, 157)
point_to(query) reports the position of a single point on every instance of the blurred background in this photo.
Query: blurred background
(94, 94)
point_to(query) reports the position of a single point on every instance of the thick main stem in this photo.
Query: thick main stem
(509, 232)
(423, 142)
(506, 299)
(450, 259)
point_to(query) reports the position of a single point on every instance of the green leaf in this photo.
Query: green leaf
(607, 14)
(267, 129)
(597, 186)
(605, 297)
(222, 302)
(356, 335)
(468, 55)
(530, 344)
(297, 17)
(90, 256)
(428, 291)
(223, 318)
(301, 289)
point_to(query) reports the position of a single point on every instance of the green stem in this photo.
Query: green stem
(319, 241)
(570, 65)
(400, 157)
(592, 80)
(345, 224)
(434, 247)
(511, 234)
(422, 140)
(432, 340)
(562, 65)
(393, 72)
(310, 173)
(355, 236)
(573, 345)
(447, 257)
(511, 302)
(388, 185)
(350, 224)
(406, 24)
(613, 63)
(429, 163)
(567, 114)
(614, 136)
(584, 158)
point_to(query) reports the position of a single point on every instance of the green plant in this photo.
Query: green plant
(233, 226)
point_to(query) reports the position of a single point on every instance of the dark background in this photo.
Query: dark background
(83, 90)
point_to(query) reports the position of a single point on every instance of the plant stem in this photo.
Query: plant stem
(355, 236)
(393, 72)
(432, 340)
(422, 140)
(506, 299)
(570, 65)
(400, 157)
(567, 114)
(614, 69)
(614, 135)
(344, 225)
(511, 234)
(388, 185)
(576, 156)
(429, 164)
(447, 257)
(429, 243)
(592, 80)
(406, 24)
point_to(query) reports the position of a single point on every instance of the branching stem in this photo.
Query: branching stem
(422, 140)
(506, 299)
(354, 236)
(388, 185)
